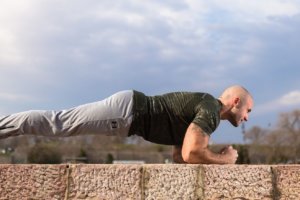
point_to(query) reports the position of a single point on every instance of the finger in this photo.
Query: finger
(223, 150)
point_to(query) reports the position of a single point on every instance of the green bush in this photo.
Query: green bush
(44, 153)
(109, 159)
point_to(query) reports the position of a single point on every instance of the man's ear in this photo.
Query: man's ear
(237, 102)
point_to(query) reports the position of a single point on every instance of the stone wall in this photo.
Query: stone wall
(168, 181)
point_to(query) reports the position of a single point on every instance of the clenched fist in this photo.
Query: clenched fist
(230, 153)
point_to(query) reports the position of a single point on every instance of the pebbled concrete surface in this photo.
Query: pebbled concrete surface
(287, 182)
(172, 182)
(32, 181)
(237, 182)
(105, 182)
(156, 181)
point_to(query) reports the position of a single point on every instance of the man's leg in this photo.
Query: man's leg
(111, 116)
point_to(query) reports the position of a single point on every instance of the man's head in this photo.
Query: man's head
(237, 103)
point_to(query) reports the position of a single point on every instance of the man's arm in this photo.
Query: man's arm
(195, 149)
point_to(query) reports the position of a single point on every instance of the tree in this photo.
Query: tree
(289, 123)
(276, 147)
(109, 159)
(255, 137)
(44, 153)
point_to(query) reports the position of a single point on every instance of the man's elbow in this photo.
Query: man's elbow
(189, 158)
(193, 157)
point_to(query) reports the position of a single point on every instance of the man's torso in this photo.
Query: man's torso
(164, 119)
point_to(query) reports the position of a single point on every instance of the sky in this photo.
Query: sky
(60, 54)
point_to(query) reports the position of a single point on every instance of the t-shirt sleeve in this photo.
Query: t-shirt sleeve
(207, 119)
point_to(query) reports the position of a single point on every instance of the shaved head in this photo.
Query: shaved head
(237, 104)
(235, 91)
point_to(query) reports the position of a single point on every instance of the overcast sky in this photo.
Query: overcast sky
(59, 54)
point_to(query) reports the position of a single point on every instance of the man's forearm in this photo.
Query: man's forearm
(206, 156)
(195, 149)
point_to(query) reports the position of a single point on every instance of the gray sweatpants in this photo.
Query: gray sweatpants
(111, 116)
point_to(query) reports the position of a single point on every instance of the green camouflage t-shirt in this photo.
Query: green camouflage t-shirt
(164, 119)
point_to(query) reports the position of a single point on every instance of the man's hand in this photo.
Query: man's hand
(230, 153)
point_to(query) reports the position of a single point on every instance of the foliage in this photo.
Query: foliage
(278, 145)
(243, 154)
(82, 153)
(109, 158)
(44, 153)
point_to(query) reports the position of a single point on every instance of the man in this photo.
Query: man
(183, 119)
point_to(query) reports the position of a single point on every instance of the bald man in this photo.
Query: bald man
(182, 119)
